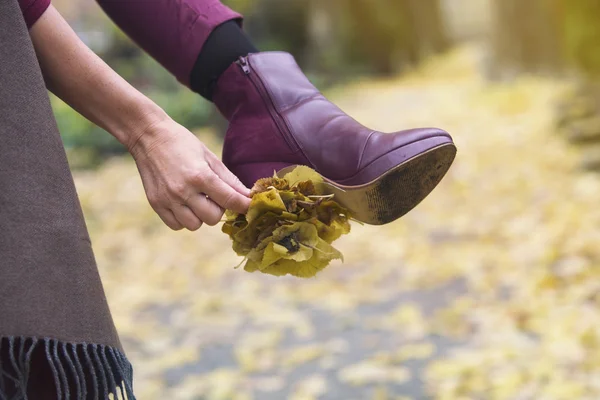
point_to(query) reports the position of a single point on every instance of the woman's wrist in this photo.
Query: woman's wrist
(137, 130)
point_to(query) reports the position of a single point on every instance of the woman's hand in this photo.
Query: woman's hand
(186, 184)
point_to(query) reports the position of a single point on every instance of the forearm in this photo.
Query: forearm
(81, 79)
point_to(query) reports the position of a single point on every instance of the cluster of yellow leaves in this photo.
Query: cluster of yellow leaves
(289, 226)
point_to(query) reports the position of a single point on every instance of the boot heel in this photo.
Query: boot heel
(399, 190)
(395, 192)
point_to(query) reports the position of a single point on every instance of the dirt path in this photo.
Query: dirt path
(487, 290)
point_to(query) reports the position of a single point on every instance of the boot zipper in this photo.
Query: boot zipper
(244, 64)
(260, 86)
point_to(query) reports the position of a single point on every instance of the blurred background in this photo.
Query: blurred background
(489, 289)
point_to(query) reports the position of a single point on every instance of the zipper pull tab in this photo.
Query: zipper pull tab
(244, 64)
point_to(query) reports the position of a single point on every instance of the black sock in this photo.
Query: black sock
(224, 45)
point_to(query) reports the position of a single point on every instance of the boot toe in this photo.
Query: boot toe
(380, 144)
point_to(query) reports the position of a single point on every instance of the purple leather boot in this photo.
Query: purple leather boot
(278, 119)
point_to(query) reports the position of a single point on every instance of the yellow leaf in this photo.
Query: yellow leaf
(264, 202)
(264, 184)
(272, 254)
(303, 173)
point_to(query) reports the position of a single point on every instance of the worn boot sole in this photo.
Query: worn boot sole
(395, 192)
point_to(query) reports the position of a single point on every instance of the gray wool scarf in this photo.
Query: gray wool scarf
(56, 330)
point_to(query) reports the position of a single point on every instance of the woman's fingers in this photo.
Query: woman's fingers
(200, 199)
(226, 175)
(220, 192)
(169, 219)
(186, 217)
(205, 209)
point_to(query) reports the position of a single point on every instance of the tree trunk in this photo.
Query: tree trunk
(427, 26)
(387, 35)
(526, 37)
(582, 36)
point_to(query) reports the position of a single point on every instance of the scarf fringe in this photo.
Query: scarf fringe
(81, 371)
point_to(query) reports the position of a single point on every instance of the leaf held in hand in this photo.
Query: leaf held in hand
(289, 227)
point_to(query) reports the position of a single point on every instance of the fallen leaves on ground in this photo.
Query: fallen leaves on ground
(497, 269)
